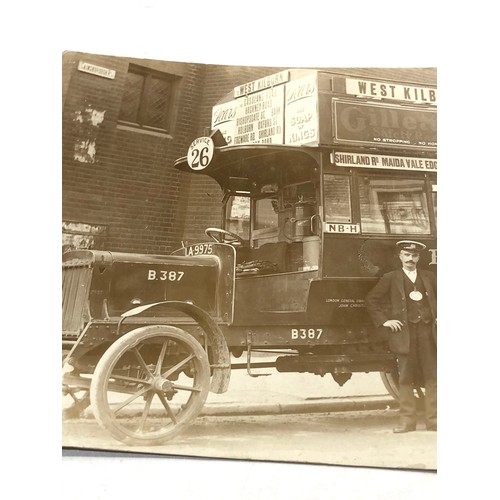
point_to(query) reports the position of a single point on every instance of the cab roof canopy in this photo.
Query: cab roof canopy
(248, 168)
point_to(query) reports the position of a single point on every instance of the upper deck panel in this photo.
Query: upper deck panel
(323, 108)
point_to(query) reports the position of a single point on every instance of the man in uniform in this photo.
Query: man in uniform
(404, 301)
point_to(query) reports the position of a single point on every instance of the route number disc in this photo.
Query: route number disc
(200, 153)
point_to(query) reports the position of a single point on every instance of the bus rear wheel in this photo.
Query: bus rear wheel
(391, 383)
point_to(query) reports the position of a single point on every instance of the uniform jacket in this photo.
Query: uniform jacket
(387, 300)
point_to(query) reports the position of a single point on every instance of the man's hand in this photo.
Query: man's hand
(394, 324)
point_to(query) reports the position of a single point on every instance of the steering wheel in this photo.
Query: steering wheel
(223, 236)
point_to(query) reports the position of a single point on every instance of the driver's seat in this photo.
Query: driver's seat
(274, 253)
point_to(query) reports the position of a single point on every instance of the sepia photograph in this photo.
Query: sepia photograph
(236, 206)
(249, 261)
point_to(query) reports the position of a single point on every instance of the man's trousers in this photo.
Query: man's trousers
(418, 368)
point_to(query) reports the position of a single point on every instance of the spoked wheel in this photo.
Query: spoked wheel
(150, 385)
(79, 396)
(391, 383)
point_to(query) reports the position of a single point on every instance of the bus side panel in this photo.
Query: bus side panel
(340, 303)
(360, 257)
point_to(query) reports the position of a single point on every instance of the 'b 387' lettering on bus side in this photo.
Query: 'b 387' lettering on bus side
(164, 275)
(306, 333)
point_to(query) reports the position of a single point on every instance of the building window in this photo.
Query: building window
(147, 101)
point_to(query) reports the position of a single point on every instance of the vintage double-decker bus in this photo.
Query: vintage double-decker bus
(321, 173)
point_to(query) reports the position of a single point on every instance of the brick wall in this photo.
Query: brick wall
(121, 178)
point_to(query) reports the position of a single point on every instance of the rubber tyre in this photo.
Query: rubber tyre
(391, 383)
(102, 408)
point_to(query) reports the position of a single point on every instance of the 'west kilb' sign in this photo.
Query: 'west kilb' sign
(385, 90)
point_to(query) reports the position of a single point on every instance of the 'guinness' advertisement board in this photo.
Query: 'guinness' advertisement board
(370, 124)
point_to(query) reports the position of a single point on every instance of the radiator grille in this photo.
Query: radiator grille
(75, 292)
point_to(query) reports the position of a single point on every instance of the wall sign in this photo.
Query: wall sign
(82, 235)
(96, 70)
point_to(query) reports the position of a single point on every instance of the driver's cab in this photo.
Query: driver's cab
(277, 228)
(270, 216)
(271, 206)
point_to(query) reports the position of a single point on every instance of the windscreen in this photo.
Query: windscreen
(238, 216)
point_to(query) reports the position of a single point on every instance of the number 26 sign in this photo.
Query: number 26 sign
(200, 153)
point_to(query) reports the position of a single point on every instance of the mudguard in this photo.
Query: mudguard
(220, 363)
